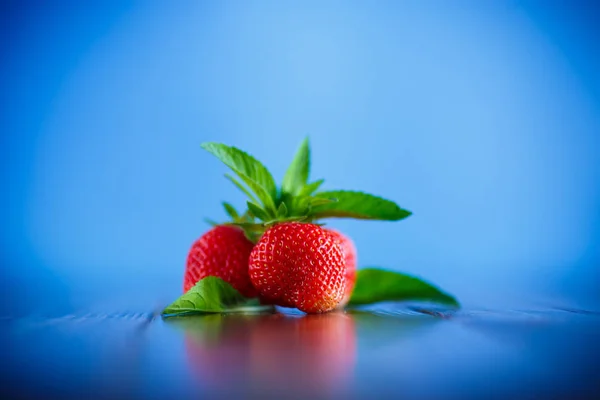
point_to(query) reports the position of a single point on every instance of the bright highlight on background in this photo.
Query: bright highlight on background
(483, 118)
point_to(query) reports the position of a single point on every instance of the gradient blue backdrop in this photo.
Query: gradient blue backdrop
(483, 118)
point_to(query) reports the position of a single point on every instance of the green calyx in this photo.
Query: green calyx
(297, 199)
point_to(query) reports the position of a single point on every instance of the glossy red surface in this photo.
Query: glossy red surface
(299, 265)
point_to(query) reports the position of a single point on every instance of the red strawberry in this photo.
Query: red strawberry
(351, 262)
(222, 252)
(299, 265)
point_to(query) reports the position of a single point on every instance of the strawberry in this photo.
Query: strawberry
(223, 252)
(351, 262)
(299, 265)
(295, 263)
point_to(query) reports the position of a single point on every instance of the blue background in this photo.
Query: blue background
(483, 118)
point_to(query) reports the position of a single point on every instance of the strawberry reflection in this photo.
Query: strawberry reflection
(272, 355)
(218, 348)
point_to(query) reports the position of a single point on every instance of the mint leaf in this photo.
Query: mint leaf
(374, 285)
(358, 205)
(257, 211)
(248, 168)
(231, 211)
(297, 174)
(211, 222)
(312, 187)
(282, 211)
(242, 188)
(262, 194)
(303, 205)
(319, 201)
(212, 295)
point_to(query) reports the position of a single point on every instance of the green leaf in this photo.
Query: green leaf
(212, 295)
(297, 174)
(312, 187)
(242, 188)
(247, 217)
(262, 194)
(231, 211)
(282, 211)
(319, 201)
(257, 211)
(211, 222)
(245, 166)
(358, 205)
(374, 285)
